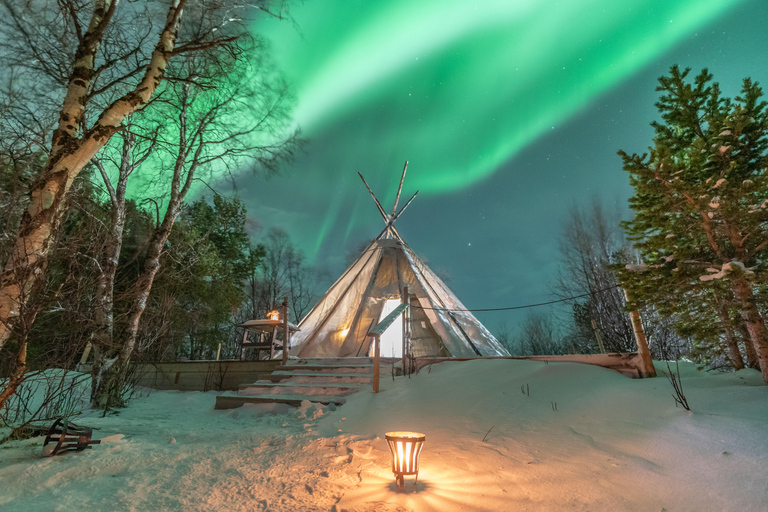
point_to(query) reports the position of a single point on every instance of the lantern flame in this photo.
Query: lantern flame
(273, 315)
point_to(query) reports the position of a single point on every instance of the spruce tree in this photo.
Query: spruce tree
(701, 202)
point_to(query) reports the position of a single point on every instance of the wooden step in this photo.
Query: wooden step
(338, 385)
(297, 373)
(323, 367)
(233, 402)
(308, 392)
(331, 360)
(290, 384)
(331, 379)
(270, 377)
(308, 389)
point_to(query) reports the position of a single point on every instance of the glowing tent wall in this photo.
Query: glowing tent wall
(338, 324)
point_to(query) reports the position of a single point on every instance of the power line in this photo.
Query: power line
(523, 307)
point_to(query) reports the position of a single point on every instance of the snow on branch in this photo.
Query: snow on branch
(724, 270)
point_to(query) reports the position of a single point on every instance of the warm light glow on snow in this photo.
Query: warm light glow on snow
(345, 332)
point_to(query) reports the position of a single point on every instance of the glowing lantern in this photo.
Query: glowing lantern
(405, 448)
(273, 315)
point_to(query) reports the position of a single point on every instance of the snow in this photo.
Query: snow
(611, 444)
(721, 180)
(726, 268)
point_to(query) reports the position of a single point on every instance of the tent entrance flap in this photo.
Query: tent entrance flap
(391, 341)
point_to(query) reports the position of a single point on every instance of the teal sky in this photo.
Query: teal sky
(508, 111)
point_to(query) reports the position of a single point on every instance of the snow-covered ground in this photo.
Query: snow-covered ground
(613, 444)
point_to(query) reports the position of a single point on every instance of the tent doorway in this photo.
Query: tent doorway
(392, 339)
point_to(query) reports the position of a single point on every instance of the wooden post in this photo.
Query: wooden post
(272, 344)
(597, 335)
(646, 363)
(376, 333)
(405, 328)
(376, 350)
(286, 332)
(242, 347)
(218, 352)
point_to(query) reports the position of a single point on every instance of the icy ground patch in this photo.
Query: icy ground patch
(612, 444)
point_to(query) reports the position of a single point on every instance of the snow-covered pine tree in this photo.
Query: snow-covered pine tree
(701, 200)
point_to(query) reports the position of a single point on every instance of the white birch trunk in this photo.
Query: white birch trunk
(69, 154)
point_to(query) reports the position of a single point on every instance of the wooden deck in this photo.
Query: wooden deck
(627, 364)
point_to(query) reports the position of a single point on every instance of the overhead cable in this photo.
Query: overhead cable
(522, 307)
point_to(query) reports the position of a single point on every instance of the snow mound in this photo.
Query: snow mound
(583, 438)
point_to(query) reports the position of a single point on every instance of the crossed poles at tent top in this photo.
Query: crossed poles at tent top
(389, 219)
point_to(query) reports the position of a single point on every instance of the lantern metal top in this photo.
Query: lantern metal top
(405, 435)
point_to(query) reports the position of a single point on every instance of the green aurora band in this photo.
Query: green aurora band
(456, 87)
(487, 79)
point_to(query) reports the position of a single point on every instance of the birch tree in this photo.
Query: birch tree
(102, 61)
(590, 240)
(216, 116)
(130, 156)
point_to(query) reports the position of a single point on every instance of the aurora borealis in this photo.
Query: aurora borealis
(508, 111)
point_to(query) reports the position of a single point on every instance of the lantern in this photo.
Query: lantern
(405, 448)
(273, 315)
(64, 436)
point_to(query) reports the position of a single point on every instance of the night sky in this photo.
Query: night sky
(510, 112)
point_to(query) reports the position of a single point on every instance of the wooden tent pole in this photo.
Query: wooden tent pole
(404, 353)
(354, 326)
(378, 204)
(400, 188)
(398, 214)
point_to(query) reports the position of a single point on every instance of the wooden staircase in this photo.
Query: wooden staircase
(326, 381)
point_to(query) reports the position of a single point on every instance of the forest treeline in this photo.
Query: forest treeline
(691, 257)
(113, 117)
(212, 278)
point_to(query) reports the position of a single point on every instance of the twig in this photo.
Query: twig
(486, 434)
(677, 385)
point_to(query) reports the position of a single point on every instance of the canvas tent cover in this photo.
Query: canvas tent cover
(337, 326)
